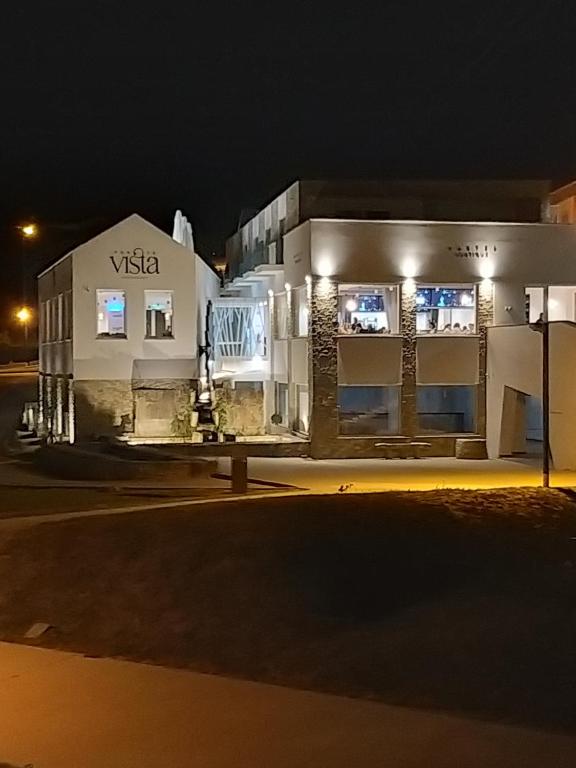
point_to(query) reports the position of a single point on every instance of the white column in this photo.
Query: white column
(71, 414)
(59, 426)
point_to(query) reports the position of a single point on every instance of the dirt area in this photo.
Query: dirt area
(449, 600)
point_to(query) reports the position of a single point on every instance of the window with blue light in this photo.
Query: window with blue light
(448, 310)
(111, 313)
(159, 314)
(372, 309)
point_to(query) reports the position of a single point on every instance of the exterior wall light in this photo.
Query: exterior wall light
(409, 268)
(325, 268)
(288, 287)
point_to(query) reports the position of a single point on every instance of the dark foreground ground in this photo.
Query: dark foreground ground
(450, 600)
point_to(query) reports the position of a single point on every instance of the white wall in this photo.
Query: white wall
(299, 361)
(356, 251)
(297, 263)
(515, 362)
(111, 358)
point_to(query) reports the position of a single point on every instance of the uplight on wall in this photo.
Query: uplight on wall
(325, 267)
(409, 268)
(486, 288)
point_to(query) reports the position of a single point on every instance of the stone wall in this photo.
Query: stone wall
(323, 375)
(115, 407)
(103, 408)
(323, 367)
(485, 319)
(408, 406)
(242, 411)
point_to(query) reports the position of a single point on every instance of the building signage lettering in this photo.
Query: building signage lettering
(472, 251)
(135, 262)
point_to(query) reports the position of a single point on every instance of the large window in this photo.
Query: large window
(300, 301)
(369, 410)
(446, 310)
(111, 313)
(446, 409)
(367, 309)
(159, 314)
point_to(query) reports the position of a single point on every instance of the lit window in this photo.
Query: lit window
(111, 313)
(446, 310)
(300, 301)
(444, 410)
(367, 309)
(159, 314)
(368, 410)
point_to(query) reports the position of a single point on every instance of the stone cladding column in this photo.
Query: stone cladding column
(485, 319)
(408, 413)
(323, 367)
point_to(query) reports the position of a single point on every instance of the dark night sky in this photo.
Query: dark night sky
(112, 107)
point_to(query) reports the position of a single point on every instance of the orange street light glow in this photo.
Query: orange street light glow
(24, 315)
(29, 230)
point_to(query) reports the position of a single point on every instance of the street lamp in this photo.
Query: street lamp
(542, 325)
(29, 231)
(24, 315)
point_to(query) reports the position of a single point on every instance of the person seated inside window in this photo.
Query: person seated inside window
(457, 328)
(432, 327)
(447, 328)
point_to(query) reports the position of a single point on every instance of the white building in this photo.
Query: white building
(121, 320)
(340, 333)
(379, 329)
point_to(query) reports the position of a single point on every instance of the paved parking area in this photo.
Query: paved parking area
(61, 710)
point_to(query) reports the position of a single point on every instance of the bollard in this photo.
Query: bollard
(239, 474)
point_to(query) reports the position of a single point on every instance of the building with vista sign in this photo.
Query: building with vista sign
(358, 318)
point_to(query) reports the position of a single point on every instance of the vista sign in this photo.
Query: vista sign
(135, 263)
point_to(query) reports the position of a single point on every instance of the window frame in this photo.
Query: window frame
(396, 432)
(396, 325)
(172, 335)
(449, 286)
(474, 388)
(116, 336)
